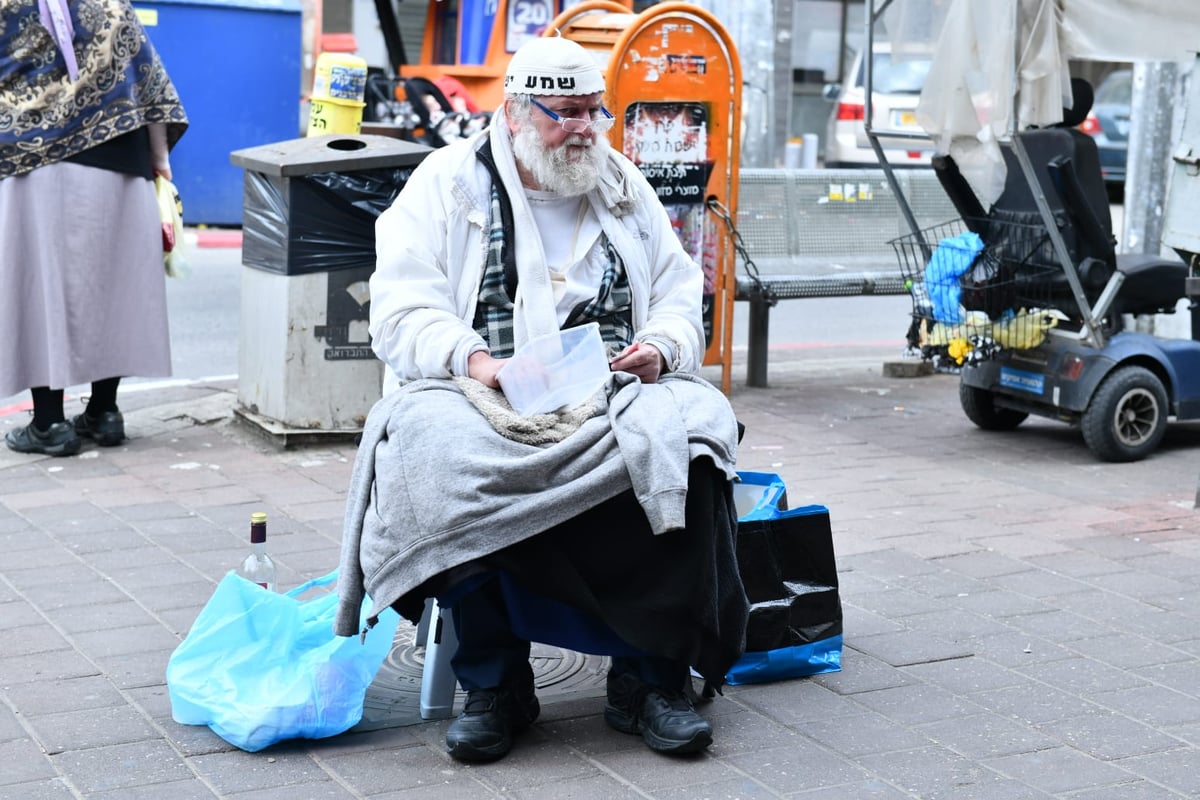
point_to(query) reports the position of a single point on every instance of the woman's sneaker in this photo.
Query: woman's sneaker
(59, 439)
(108, 430)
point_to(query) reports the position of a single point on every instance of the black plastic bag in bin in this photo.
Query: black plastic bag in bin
(320, 222)
(371, 191)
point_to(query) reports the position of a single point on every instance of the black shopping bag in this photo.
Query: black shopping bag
(787, 565)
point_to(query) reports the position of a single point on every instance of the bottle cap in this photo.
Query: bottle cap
(258, 527)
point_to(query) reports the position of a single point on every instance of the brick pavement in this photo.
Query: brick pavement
(1021, 620)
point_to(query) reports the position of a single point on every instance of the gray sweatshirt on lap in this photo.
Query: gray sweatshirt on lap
(435, 486)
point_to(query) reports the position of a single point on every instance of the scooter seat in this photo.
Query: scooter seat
(1153, 284)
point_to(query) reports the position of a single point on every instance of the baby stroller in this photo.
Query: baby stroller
(423, 111)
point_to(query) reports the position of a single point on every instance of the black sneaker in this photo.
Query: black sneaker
(666, 719)
(489, 720)
(108, 429)
(59, 439)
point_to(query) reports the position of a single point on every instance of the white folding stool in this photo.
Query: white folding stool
(436, 630)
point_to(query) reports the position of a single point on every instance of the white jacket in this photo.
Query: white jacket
(431, 245)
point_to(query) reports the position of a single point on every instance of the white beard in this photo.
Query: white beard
(556, 170)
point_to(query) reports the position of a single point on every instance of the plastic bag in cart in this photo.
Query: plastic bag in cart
(950, 261)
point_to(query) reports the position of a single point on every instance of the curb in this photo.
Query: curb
(218, 237)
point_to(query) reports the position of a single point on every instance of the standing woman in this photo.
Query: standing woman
(87, 118)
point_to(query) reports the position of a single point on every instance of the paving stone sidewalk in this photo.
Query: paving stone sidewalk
(1022, 621)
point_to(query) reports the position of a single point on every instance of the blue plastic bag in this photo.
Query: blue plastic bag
(759, 495)
(814, 658)
(950, 261)
(260, 667)
(787, 564)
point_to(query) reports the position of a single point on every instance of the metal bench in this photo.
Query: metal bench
(822, 233)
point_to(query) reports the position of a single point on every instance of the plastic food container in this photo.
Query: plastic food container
(555, 371)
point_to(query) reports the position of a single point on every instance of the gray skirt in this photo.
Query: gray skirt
(82, 288)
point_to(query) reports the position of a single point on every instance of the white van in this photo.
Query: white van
(897, 88)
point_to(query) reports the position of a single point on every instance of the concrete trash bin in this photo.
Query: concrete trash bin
(305, 365)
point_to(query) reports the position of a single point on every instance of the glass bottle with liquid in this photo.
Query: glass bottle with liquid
(258, 566)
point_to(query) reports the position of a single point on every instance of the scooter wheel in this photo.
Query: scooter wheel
(980, 407)
(1127, 416)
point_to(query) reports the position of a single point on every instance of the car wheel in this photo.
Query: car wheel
(980, 407)
(1127, 417)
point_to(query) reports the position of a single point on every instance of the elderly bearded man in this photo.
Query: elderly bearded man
(618, 509)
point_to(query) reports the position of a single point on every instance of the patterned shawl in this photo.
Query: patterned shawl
(121, 86)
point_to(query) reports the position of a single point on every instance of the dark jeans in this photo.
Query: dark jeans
(491, 654)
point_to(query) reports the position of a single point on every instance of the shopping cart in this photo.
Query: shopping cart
(974, 297)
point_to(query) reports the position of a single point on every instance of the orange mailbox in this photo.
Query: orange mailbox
(675, 86)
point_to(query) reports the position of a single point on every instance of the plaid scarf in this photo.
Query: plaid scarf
(612, 307)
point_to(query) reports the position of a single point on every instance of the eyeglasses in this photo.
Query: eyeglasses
(575, 124)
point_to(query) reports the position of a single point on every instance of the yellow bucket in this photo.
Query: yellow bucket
(339, 83)
(340, 77)
(334, 116)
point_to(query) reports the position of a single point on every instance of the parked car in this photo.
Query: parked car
(897, 87)
(1108, 124)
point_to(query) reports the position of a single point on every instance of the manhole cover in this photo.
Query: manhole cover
(394, 699)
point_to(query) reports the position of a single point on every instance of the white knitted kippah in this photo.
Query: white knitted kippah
(553, 65)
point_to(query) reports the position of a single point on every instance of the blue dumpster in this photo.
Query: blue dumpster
(237, 65)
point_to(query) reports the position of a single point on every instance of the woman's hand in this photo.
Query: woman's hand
(159, 152)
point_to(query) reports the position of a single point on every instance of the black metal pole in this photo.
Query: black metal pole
(391, 35)
(756, 349)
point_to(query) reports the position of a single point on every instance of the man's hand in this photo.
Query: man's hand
(483, 368)
(643, 360)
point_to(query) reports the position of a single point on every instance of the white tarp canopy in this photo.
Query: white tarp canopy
(1002, 65)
